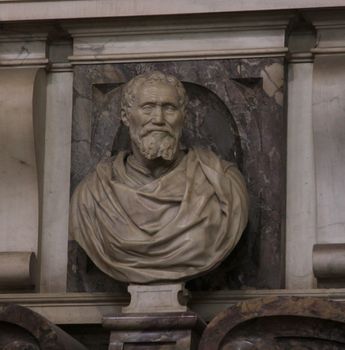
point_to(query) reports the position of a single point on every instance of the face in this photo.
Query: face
(155, 120)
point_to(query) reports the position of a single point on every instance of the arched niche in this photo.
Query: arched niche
(231, 111)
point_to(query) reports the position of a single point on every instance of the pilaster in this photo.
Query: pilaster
(300, 191)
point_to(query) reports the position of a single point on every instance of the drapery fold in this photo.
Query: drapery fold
(175, 227)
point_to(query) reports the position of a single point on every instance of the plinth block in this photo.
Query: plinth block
(168, 331)
(158, 298)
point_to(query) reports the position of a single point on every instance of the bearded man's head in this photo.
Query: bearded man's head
(153, 107)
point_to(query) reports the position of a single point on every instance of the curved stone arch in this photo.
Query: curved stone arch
(31, 329)
(14, 337)
(278, 323)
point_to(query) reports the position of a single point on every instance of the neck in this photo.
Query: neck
(157, 166)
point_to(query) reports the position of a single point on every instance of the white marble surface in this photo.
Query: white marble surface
(272, 81)
(22, 46)
(17, 270)
(332, 37)
(176, 44)
(23, 49)
(301, 201)
(55, 198)
(64, 9)
(223, 36)
(329, 124)
(329, 139)
(18, 175)
(157, 298)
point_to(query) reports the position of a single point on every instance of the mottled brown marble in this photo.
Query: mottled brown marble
(168, 331)
(278, 323)
(14, 337)
(236, 109)
(23, 329)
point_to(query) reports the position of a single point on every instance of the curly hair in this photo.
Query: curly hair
(130, 89)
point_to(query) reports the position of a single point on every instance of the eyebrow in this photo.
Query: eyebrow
(159, 103)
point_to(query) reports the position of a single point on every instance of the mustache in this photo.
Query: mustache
(148, 130)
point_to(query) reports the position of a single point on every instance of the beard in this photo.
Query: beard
(156, 144)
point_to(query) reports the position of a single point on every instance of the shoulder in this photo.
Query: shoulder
(93, 180)
(212, 160)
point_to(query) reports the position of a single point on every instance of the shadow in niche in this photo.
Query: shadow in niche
(226, 274)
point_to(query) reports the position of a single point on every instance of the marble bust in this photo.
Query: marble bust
(158, 213)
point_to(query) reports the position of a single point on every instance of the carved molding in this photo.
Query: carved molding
(330, 31)
(200, 37)
(19, 10)
(177, 56)
(88, 308)
(22, 47)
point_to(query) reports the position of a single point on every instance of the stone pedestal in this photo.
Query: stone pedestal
(155, 298)
(168, 331)
(156, 318)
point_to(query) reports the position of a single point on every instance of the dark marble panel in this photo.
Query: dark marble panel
(278, 324)
(236, 109)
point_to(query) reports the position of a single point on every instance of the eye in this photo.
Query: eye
(169, 108)
(147, 108)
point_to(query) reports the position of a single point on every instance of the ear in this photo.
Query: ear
(124, 117)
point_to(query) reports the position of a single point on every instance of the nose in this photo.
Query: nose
(158, 116)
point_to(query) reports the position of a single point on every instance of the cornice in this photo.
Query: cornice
(178, 24)
(177, 55)
(24, 10)
(23, 47)
(200, 37)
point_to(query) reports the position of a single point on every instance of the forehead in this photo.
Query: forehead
(156, 91)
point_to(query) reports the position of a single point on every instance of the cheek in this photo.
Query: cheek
(175, 119)
(178, 120)
(137, 120)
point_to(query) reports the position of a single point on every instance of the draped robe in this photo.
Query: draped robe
(175, 227)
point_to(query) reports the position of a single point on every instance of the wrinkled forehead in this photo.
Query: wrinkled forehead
(157, 91)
